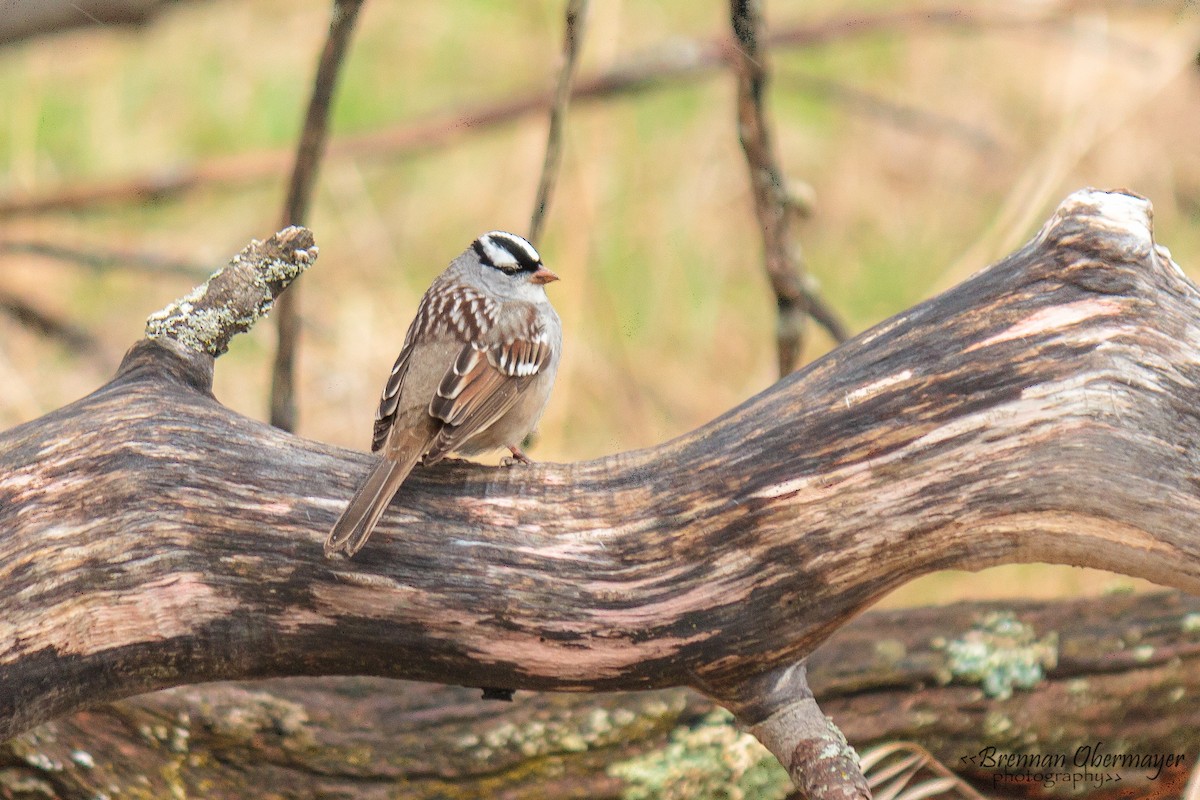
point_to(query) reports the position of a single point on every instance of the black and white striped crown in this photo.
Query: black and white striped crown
(507, 252)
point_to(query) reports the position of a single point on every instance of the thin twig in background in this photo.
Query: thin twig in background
(76, 339)
(576, 22)
(100, 260)
(781, 255)
(675, 62)
(299, 197)
(824, 315)
(897, 114)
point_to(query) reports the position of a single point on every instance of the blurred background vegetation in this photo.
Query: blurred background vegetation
(929, 149)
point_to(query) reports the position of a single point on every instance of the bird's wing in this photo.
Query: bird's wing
(389, 401)
(484, 382)
(464, 316)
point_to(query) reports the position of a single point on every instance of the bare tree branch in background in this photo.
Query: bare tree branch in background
(576, 22)
(823, 314)
(97, 259)
(781, 254)
(74, 338)
(24, 19)
(672, 63)
(299, 197)
(900, 115)
(78, 340)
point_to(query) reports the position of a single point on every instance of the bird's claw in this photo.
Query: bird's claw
(517, 457)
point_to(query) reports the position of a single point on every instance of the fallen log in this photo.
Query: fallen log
(1119, 669)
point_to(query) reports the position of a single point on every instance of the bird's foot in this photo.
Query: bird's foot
(517, 457)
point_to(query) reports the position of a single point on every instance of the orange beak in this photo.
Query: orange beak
(543, 275)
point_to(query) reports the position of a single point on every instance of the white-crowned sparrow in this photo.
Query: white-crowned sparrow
(474, 374)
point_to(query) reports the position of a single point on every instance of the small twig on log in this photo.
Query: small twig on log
(576, 22)
(237, 296)
(102, 259)
(71, 336)
(781, 254)
(299, 197)
(779, 709)
(672, 63)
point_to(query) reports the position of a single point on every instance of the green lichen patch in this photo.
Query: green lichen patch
(710, 761)
(20, 784)
(32, 747)
(890, 651)
(201, 325)
(1001, 653)
(553, 734)
(262, 712)
(1143, 654)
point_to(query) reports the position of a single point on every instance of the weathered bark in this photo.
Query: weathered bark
(1042, 410)
(1124, 670)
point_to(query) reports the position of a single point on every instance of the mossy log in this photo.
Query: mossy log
(1123, 670)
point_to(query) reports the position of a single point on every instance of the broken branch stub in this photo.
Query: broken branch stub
(236, 296)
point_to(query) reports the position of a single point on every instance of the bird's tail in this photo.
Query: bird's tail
(354, 527)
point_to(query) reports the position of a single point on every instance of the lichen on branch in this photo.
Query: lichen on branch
(236, 296)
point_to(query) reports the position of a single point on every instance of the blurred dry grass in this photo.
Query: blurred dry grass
(667, 314)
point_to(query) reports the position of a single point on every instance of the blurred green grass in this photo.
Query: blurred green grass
(668, 317)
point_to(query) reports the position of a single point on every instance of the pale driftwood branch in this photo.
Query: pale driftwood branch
(1125, 665)
(1042, 410)
(299, 196)
(672, 63)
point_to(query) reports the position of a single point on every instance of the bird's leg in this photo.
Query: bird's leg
(518, 457)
